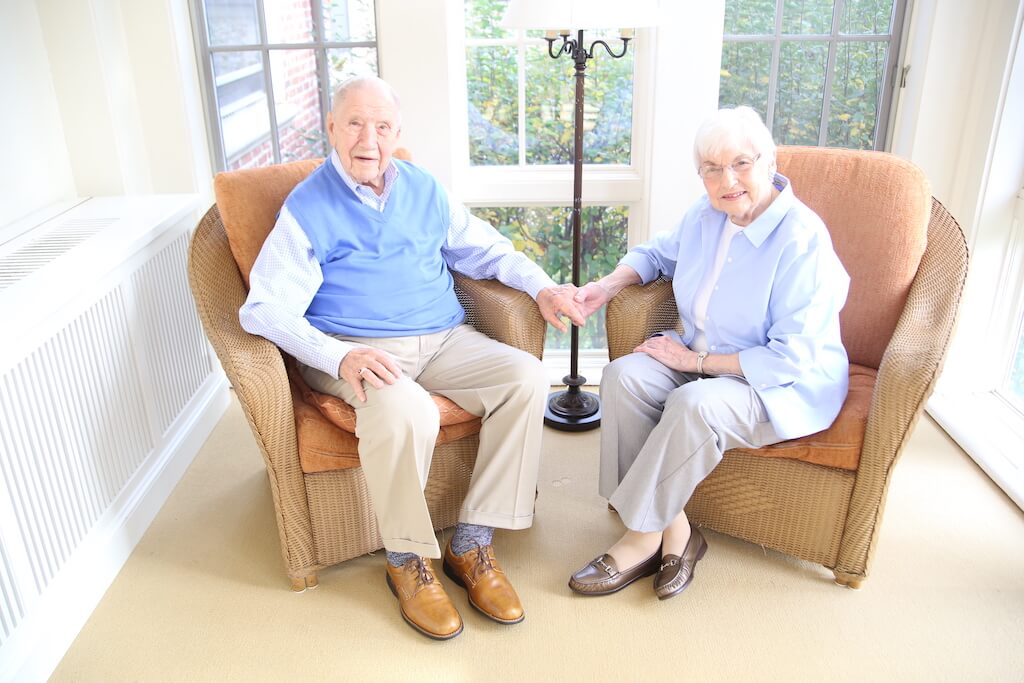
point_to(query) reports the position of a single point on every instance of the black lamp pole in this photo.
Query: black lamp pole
(574, 410)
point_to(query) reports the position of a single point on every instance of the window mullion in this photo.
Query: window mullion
(773, 78)
(830, 67)
(323, 74)
(521, 94)
(268, 82)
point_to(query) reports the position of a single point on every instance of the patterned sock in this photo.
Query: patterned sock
(398, 559)
(468, 536)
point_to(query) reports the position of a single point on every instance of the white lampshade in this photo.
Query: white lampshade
(580, 14)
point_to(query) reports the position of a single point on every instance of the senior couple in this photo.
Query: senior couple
(354, 282)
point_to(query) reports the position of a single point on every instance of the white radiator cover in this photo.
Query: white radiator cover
(107, 390)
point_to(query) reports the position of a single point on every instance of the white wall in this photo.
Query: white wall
(36, 171)
(102, 99)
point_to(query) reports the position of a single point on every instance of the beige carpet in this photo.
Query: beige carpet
(204, 595)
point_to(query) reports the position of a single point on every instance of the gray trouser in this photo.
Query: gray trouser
(662, 432)
(398, 424)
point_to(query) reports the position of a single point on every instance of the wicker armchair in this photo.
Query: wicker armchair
(324, 515)
(907, 259)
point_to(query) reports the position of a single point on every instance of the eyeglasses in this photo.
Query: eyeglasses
(740, 167)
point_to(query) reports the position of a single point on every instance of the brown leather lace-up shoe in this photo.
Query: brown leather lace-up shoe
(490, 592)
(676, 572)
(423, 601)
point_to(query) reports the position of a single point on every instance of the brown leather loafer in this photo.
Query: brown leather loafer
(424, 604)
(489, 589)
(675, 572)
(601, 576)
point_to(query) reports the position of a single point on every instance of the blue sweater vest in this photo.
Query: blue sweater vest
(384, 275)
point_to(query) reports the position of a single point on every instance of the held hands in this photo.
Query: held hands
(373, 366)
(557, 301)
(591, 297)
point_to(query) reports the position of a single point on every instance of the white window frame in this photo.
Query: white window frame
(552, 185)
(970, 401)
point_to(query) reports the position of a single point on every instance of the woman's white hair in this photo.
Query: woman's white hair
(732, 129)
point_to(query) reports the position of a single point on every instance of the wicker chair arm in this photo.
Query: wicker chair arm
(256, 370)
(910, 366)
(502, 313)
(637, 312)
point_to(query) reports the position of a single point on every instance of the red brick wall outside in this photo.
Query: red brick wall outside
(296, 89)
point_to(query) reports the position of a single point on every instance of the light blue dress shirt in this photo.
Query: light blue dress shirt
(776, 304)
(286, 275)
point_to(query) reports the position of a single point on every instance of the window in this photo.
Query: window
(820, 72)
(520, 106)
(269, 67)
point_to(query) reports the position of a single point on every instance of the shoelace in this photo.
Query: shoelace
(425, 576)
(483, 560)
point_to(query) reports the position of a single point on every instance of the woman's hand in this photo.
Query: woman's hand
(670, 353)
(591, 297)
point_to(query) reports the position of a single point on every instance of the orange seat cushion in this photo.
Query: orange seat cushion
(325, 426)
(839, 445)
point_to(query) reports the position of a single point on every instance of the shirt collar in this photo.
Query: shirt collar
(390, 173)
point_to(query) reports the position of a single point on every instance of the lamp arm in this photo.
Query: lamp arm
(608, 49)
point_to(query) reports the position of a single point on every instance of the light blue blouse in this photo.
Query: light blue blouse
(776, 303)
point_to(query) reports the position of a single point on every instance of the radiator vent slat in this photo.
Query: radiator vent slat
(45, 249)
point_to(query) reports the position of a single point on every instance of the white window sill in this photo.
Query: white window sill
(990, 431)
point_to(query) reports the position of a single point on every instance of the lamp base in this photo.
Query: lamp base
(573, 410)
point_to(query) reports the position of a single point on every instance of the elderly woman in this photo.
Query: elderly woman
(759, 289)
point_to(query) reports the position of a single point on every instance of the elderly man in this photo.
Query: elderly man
(354, 282)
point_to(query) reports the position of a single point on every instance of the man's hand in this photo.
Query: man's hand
(556, 301)
(669, 353)
(365, 364)
(591, 297)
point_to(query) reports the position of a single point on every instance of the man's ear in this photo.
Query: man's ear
(330, 127)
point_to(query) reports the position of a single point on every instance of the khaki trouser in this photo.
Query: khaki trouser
(398, 424)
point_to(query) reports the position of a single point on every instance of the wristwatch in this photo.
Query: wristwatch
(700, 362)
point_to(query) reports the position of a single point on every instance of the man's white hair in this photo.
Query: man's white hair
(357, 82)
(737, 128)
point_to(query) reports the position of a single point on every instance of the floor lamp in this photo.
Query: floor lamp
(575, 410)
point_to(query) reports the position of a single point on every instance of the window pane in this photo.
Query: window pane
(750, 17)
(482, 17)
(493, 93)
(347, 21)
(297, 102)
(607, 107)
(544, 234)
(242, 106)
(232, 22)
(807, 16)
(345, 62)
(746, 73)
(288, 21)
(800, 93)
(872, 17)
(855, 94)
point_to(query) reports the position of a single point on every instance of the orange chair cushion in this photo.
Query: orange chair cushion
(839, 445)
(249, 201)
(873, 203)
(325, 426)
